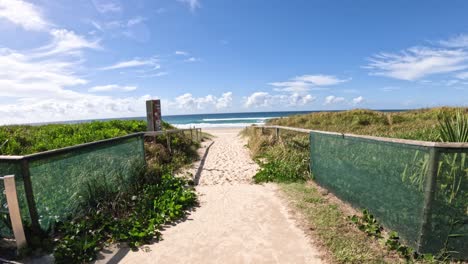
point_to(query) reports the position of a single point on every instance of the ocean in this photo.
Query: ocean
(217, 120)
(226, 119)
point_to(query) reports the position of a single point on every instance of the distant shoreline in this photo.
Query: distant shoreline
(215, 120)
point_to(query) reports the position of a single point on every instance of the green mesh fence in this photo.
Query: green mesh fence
(67, 181)
(392, 181)
(11, 167)
(62, 184)
(448, 226)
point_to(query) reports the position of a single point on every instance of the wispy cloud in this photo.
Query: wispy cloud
(192, 4)
(65, 41)
(107, 6)
(112, 87)
(148, 74)
(415, 63)
(390, 88)
(192, 59)
(460, 41)
(132, 64)
(45, 83)
(181, 52)
(23, 14)
(462, 75)
(304, 83)
(357, 100)
(265, 100)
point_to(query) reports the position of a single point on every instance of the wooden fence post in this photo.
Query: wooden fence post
(277, 130)
(36, 228)
(168, 138)
(429, 193)
(14, 210)
(191, 134)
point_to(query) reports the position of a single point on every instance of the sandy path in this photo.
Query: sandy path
(236, 222)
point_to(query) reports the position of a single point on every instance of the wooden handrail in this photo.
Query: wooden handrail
(89, 144)
(454, 145)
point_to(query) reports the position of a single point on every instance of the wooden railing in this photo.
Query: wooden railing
(384, 139)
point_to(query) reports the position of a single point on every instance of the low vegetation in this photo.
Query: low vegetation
(417, 124)
(132, 213)
(154, 198)
(27, 139)
(285, 159)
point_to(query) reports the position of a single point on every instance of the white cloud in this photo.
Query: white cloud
(258, 99)
(132, 63)
(150, 75)
(264, 99)
(358, 100)
(107, 6)
(390, 88)
(79, 107)
(23, 75)
(319, 80)
(225, 101)
(304, 83)
(192, 4)
(135, 21)
(331, 99)
(65, 42)
(192, 59)
(181, 52)
(23, 14)
(460, 41)
(188, 102)
(462, 75)
(418, 62)
(112, 87)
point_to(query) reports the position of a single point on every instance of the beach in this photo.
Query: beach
(236, 221)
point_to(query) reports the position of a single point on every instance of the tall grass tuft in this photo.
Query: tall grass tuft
(453, 128)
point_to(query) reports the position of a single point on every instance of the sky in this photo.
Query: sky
(72, 60)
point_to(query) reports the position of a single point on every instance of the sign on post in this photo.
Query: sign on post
(153, 115)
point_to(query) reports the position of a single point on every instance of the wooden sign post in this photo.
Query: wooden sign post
(153, 115)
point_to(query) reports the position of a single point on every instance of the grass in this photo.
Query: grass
(153, 199)
(285, 160)
(27, 139)
(104, 210)
(416, 124)
(327, 221)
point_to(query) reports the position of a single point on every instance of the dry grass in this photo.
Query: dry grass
(325, 219)
(416, 124)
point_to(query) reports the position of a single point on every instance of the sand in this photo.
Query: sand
(237, 222)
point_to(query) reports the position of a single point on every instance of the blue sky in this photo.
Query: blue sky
(66, 60)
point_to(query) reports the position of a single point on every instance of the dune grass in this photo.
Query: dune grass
(28, 139)
(416, 124)
(285, 160)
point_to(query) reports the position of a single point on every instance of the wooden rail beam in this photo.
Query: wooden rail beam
(14, 210)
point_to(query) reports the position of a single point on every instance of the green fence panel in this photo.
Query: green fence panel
(449, 215)
(420, 192)
(63, 183)
(386, 178)
(11, 167)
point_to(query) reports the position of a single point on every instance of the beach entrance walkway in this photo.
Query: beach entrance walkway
(237, 222)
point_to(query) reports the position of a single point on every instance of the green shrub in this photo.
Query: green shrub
(143, 212)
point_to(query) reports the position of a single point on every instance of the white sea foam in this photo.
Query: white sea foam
(236, 119)
(209, 125)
